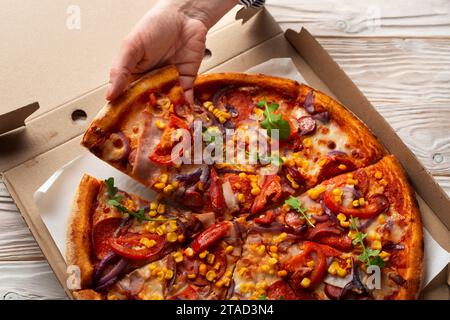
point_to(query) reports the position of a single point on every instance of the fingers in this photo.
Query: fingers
(121, 71)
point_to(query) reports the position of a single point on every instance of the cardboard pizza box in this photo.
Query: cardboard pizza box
(30, 154)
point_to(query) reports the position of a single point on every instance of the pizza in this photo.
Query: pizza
(320, 211)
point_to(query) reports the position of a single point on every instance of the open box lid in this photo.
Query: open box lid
(51, 140)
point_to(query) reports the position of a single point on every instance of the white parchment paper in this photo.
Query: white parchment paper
(54, 198)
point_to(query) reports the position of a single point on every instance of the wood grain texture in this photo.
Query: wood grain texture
(397, 52)
(365, 18)
(28, 280)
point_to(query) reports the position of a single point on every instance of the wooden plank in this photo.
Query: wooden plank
(395, 70)
(16, 241)
(425, 128)
(28, 280)
(365, 18)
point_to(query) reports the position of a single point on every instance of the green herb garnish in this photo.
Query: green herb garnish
(295, 204)
(368, 256)
(262, 297)
(114, 200)
(273, 121)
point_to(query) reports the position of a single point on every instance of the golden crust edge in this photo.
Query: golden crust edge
(78, 240)
(414, 271)
(110, 114)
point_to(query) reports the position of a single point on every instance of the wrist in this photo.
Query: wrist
(206, 11)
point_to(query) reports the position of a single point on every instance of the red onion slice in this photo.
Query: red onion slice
(207, 219)
(112, 274)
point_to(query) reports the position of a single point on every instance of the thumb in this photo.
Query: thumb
(119, 76)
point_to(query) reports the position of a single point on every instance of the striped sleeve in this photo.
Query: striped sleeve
(252, 3)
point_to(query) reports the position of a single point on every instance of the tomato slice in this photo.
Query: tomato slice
(125, 245)
(162, 154)
(265, 219)
(271, 189)
(377, 204)
(319, 254)
(210, 236)
(216, 192)
(190, 293)
(280, 290)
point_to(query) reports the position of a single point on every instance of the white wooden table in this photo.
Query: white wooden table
(397, 52)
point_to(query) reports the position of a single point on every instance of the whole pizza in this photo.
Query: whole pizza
(324, 213)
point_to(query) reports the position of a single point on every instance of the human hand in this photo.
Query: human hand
(172, 32)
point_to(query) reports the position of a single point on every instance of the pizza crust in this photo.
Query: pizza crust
(405, 201)
(370, 149)
(111, 114)
(78, 240)
(88, 294)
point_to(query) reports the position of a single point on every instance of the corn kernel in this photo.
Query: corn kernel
(160, 275)
(156, 296)
(211, 275)
(219, 284)
(376, 245)
(229, 249)
(355, 203)
(161, 208)
(337, 192)
(307, 142)
(352, 234)
(282, 273)
(352, 181)
(217, 266)
(341, 217)
(305, 283)
(385, 255)
(281, 237)
(273, 249)
(242, 175)
(255, 191)
(152, 213)
(178, 257)
(189, 252)
(294, 184)
(261, 249)
(272, 261)
(202, 255)
(228, 274)
(383, 182)
(153, 205)
(172, 237)
(163, 178)
(345, 224)
(265, 268)
(361, 201)
(168, 274)
(341, 272)
(160, 125)
(381, 219)
(242, 271)
(342, 167)
(241, 197)
(168, 189)
(210, 258)
(159, 185)
(202, 269)
(378, 175)
(192, 276)
(152, 266)
(310, 264)
(148, 243)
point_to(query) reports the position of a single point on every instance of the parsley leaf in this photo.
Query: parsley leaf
(295, 204)
(114, 200)
(368, 256)
(262, 297)
(273, 121)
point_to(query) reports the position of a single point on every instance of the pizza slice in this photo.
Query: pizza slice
(200, 271)
(318, 138)
(111, 232)
(371, 216)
